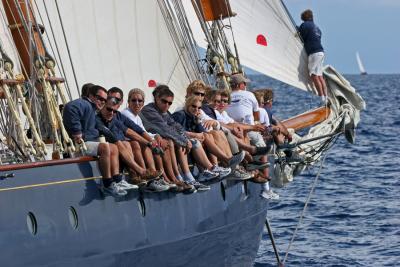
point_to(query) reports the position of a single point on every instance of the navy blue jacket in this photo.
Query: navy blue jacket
(311, 35)
(188, 121)
(79, 117)
(270, 116)
(209, 111)
(113, 130)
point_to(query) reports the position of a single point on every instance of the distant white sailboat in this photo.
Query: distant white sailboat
(360, 65)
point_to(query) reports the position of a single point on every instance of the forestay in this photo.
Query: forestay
(266, 39)
(117, 43)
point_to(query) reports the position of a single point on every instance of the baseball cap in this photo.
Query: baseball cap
(238, 78)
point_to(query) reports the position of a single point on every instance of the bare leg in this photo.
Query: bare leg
(173, 158)
(183, 160)
(169, 162)
(213, 148)
(114, 160)
(222, 142)
(317, 84)
(265, 171)
(242, 144)
(137, 153)
(158, 162)
(169, 171)
(104, 160)
(148, 158)
(201, 158)
(213, 159)
(322, 81)
(125, 152)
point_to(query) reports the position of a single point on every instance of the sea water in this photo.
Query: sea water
(353, 218)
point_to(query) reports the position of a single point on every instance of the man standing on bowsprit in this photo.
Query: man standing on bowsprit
(311, 35)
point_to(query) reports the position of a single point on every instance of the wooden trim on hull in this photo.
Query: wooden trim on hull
(46, 163)
(307, 119)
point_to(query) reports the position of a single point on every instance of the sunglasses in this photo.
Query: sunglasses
(111, 110)
(199, 94)
(137, 101)
(226, 101)
(166, 102)
(100, 98)
(196, 107)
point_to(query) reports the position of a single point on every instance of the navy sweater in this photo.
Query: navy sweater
(79, 117)
(188, 121)
(311, 35)
(113, 130)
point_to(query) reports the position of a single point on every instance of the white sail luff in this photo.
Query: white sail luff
(360, 65)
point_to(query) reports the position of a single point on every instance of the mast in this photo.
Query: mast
(23, 28)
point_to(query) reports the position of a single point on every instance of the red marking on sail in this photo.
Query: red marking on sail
(261, 40)
(152, 83)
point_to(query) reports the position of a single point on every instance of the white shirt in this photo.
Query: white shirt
(223, 117)
(264, 119)
(243, 104)
(136, 119)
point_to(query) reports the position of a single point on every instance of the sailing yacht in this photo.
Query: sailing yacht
(52, 211)
(360, 64)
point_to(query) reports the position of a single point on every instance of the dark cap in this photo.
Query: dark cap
(238, 78)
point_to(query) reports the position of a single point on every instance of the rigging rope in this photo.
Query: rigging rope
(68, 50)
(304, 209)
(59, 62)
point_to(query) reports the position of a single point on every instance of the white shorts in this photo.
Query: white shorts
(256, 139)
(316, 63)
(92, 148)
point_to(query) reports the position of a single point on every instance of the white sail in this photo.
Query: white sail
(117, 43)
(360, 65)
(266, 39)
(6, 40)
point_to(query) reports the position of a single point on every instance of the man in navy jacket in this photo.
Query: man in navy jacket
(79, 118)
(311, 35)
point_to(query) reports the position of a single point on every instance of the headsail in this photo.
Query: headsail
(266, 38)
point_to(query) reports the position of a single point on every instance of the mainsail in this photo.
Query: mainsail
(266, 39)
(117, 43)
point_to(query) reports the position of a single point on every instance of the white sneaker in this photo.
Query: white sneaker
(207, 175)
(114, 190)
(240, 175)
(268, 194)
(156, 186)
(126, 186)
(223, 172)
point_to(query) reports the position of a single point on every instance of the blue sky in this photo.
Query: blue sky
(371, 27)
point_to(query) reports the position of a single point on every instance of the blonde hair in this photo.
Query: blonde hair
(135, 91)
(191, 100)
(196, 84)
